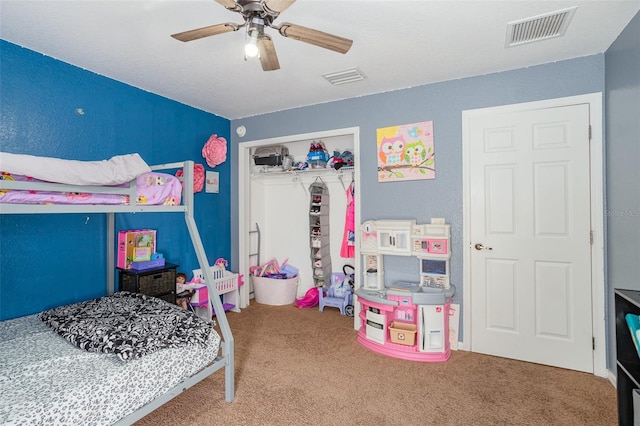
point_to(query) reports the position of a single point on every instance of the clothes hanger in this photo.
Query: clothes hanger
(297, 179)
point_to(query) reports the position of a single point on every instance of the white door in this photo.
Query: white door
(530, 232)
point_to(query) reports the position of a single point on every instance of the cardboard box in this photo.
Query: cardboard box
(129, 240)
(403, 333)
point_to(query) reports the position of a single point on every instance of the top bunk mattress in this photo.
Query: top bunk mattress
(151, 188)
(114, 171)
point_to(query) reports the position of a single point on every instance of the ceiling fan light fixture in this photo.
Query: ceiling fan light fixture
(255, 29)
(251, 45)
(258, 15)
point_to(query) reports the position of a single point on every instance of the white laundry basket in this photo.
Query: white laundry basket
(273, 291)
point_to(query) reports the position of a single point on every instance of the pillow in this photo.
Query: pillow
(115, 171)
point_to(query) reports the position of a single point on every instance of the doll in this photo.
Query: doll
(183, 296)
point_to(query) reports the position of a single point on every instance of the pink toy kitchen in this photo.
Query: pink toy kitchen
(407, 320)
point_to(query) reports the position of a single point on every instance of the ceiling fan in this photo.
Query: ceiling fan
(259, 14)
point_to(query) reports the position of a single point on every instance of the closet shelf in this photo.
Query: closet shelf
(269, 173)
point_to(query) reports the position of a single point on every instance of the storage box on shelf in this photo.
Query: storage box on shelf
(403, 333)
(270, 155)
(148, 264)
(159, 282)
(317, 160)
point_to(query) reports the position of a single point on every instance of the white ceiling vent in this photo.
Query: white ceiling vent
(343, 77)
(539, 27)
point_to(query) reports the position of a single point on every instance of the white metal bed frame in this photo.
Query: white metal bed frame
(224, 360)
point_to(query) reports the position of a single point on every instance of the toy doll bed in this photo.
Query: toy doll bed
(100, 179)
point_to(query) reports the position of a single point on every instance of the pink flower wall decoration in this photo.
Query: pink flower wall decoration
(215, 150)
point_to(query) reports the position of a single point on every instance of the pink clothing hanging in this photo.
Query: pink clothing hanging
(348, 248)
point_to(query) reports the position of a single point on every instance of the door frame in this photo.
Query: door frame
(598, 313)
(244, 193)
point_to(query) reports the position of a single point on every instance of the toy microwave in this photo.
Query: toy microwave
(427, 245)
(434, 272)
(430, 239)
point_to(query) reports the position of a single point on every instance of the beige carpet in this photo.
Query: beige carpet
(304, 367)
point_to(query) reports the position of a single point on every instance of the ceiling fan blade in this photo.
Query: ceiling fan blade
(206, 31)
(315, 37)
(229, 4)
(277, 6)
(268, 56)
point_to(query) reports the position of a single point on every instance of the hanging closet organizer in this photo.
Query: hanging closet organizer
(319, 237)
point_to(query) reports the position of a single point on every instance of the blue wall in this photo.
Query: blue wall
(622, 101)
(48, 260)
(443, 103)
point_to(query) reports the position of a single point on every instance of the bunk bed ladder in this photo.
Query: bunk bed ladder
(228, 343)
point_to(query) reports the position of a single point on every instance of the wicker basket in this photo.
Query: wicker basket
(161, 282)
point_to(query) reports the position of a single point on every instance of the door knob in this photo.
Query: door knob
(479, 246)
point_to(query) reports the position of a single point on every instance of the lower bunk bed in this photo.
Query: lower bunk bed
(96, 362)
(55, 377)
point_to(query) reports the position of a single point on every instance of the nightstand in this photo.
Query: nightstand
(157, 282)
(628, 361)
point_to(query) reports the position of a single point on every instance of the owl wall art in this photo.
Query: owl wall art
(406, 152)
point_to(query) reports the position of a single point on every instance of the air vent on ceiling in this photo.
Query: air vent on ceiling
(539, 27)
(343, 77)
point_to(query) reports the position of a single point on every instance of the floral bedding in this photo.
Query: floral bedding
(129, 325)
(152, 188)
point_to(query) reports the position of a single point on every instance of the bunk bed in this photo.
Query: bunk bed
(127, 200)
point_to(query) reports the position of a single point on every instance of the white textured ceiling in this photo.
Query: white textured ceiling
(396, 44)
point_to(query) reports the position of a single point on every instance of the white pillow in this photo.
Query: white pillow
(115, 171)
